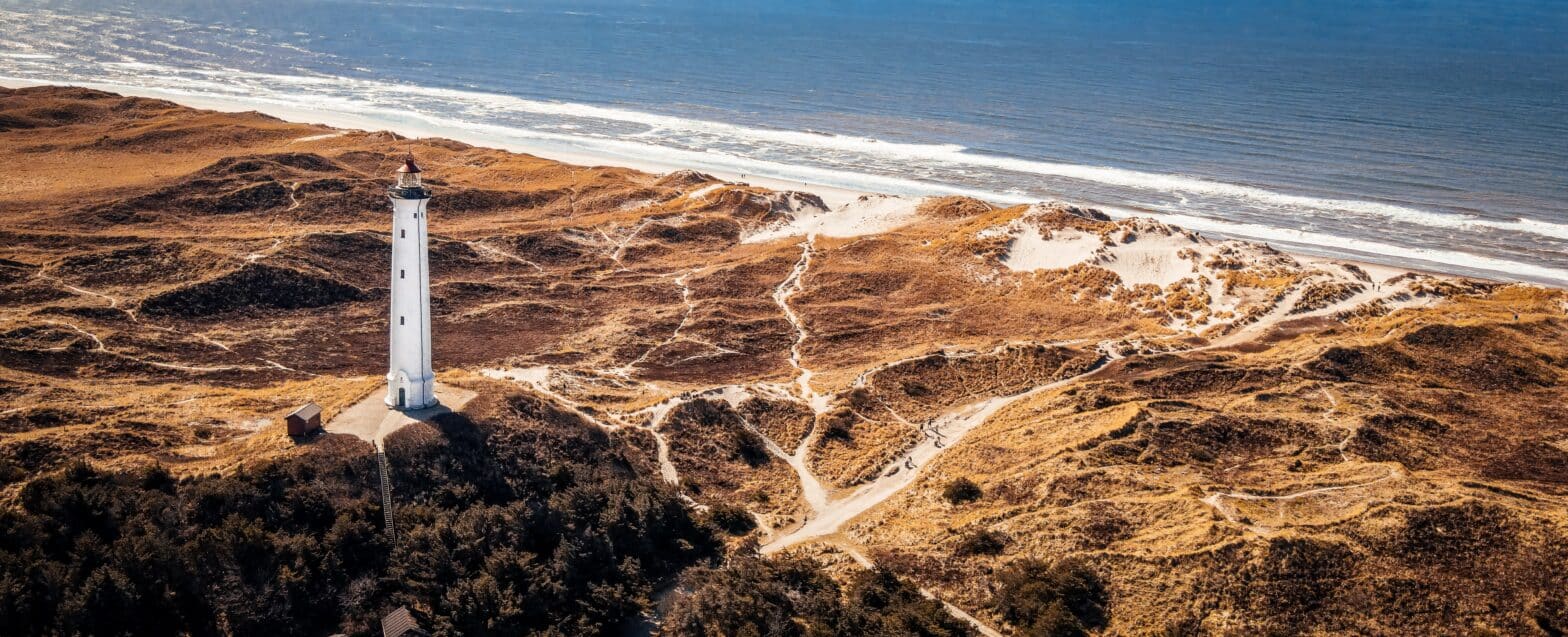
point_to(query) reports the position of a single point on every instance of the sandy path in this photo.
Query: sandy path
(662, 452)
(538, 379)
(1328, 417)
(98, 346)
(1391, 297)
(1217, 499)
(1278, 313)
(620, 246)
(811, 489)
(951, 427)
(114, 303)
(676, 336)
(947, 429)
(829, 516)
(500, 255)
(792, 285)
(853, 551)
(268, 251)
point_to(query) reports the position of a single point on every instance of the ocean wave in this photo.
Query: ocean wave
(958, 155)
(961, 156)
(362, 93)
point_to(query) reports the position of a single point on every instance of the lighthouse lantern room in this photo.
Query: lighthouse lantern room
(410, 381)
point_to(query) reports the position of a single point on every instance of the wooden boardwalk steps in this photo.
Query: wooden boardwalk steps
(386, 492)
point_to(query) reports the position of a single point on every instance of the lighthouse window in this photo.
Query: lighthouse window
(400, 273)
(402, 234)
(400, 320)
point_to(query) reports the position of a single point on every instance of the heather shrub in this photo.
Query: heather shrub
(962, 491)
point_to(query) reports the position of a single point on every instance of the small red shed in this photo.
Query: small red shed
(304, 421)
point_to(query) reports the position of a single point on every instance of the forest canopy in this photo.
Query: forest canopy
(500, 531)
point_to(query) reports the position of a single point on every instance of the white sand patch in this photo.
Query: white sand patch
(538, 376)
(1155, 254)
(867, 215)
(1066, 248)
(835, 198)
(1223, 307)
(1378, 273)
(660, 411)
(1152, 259)
(705, 190)
(253, 425)
(991, 232)
(734, 395)
(314, 138)
(1178, 261)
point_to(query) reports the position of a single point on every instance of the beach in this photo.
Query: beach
(1400, 259)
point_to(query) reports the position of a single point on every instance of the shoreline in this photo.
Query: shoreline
(834, 196)
(419, 127)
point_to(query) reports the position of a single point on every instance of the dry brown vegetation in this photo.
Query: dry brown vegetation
(175, 280)
(1407, 464)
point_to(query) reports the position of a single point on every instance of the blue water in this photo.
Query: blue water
(1431, 133)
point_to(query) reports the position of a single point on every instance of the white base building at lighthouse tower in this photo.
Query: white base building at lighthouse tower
(410, 381)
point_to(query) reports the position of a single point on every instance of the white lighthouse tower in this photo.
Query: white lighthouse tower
(410, 381)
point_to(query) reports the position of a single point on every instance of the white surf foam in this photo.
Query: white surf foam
(957, 155)
(256, 85)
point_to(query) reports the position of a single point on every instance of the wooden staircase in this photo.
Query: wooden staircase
(386, 493)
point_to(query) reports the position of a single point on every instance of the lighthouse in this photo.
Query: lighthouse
(410, 381)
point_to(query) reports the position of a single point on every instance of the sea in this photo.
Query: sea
(1421, 133)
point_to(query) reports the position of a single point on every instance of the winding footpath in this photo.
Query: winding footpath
(794, 284)
(829, 515)
(945, 431)
(114, 303)
(1219, 500)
